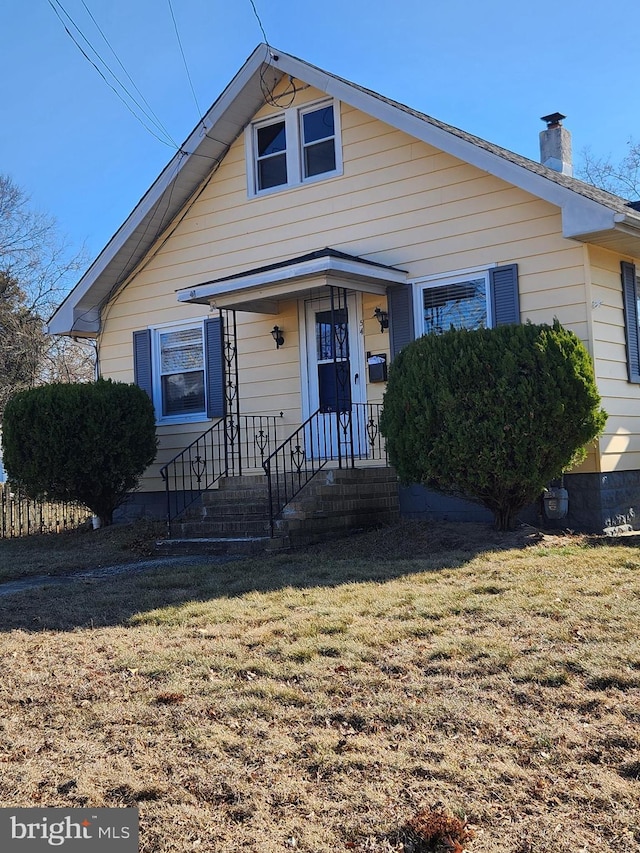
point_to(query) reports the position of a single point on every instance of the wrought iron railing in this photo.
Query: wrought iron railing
(325, 437)
(233, 444)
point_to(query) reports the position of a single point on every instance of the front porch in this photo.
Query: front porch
(330, 330)
(240, 486)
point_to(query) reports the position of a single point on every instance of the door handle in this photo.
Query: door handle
(356, 378)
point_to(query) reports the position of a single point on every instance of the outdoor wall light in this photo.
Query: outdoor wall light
(278, 337)
(382, 317)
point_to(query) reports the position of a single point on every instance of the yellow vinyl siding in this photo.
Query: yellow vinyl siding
(375, 341)
(399, 202)
(620, 444)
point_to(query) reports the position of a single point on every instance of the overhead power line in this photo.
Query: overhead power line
(184, 60)
(59, 11)
(255, 12)
(158, 122)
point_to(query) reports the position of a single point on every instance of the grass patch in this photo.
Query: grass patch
(75, 550)
(485, 692)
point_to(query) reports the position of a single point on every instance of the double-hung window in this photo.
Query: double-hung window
(458, 302)
(297, 146)
(180, 358)
(271, 155)
(466, 299)
(181, 367)
(318, 141)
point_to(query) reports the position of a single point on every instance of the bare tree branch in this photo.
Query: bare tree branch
(621, 178)
(37, 269)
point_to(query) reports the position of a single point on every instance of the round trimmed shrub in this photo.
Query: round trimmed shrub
(85, 442)
(492, 415)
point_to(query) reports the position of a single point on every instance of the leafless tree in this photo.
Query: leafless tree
(37, 268)
(621, 178)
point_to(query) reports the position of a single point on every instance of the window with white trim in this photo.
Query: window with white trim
(297, 146)
(458, 302)
(179, 375)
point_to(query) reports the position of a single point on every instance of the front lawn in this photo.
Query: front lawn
(317, 701)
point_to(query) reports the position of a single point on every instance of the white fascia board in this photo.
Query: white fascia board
(204, 293)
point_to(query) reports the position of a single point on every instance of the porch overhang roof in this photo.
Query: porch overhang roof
(261, 290)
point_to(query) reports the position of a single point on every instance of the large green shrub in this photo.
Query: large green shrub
(491, 414)
(86, 442)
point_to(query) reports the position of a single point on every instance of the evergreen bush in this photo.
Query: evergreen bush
(491, 414)
(85, 442)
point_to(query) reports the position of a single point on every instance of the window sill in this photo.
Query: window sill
(281, 188)
(183, 419)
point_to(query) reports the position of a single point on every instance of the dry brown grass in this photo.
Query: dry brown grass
(342, 698)
(74, 550)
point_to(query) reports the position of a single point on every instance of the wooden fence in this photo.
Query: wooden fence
(20, 516)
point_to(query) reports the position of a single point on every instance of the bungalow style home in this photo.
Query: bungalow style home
(306, 231)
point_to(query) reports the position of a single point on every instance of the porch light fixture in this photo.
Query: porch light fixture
(382, 317)
(278, 337)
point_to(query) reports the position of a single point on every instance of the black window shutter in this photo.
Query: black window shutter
(505, 301)
(400, 306)
(214, 357)
(142, 369)
(630, 302)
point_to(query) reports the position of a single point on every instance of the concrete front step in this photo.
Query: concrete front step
(223, 527)
(222, 545)
(334, 501)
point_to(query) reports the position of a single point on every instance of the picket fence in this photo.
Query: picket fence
(20, 516)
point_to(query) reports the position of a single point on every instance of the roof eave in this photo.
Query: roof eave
(360, 273)
(581, 216)
(176, 184)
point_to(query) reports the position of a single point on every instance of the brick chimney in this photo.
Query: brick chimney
(555, 145)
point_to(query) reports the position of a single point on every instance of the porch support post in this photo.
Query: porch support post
(233, 443)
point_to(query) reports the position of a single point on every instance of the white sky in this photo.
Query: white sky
(492, 69)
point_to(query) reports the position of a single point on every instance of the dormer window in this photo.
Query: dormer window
(271, 155)
(318, 141)
(298, 146)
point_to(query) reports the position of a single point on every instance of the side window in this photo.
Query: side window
(458, 304)
(180, 355)
(469, 299)
(461, 305)
(182, 370)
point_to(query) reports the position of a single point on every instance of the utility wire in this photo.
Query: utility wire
(255, 12)
(286, 98)
(157, 121)
(184, 60)
(54, 5)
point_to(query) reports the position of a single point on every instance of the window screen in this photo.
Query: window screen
(182, 372)
(462, 306)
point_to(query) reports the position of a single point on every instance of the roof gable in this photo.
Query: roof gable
(587, 213)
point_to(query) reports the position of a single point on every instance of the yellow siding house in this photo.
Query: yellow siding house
(307, 230)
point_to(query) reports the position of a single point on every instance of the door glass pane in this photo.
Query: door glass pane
(332, 337)
(458, 306)
(334, 386)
